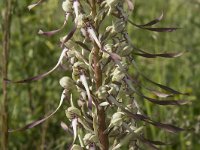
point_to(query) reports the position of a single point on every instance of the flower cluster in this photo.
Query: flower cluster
(103, 110)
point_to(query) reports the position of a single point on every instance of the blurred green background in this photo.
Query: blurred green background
(32, 54)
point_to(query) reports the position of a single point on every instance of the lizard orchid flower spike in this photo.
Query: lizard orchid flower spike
(103, 94)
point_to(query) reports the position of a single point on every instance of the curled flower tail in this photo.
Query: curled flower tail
(39, 121)
(35, 78)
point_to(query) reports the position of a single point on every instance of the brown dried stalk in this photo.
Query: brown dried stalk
(7, 16)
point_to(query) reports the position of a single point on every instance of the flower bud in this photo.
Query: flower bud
(71, 112)
(67, 6)
(67, 83)
(76, 69)
(80, 65)
(110, 4)
(118, 26)
(102, 92)
(114, 89)
(118, 75)
(117, 119)
(126, 50)
(90, 138)
(80, 20)
(76, 147)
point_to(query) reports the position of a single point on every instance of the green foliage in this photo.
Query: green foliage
(180, 73)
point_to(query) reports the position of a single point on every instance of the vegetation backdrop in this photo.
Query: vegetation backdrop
(32, 54)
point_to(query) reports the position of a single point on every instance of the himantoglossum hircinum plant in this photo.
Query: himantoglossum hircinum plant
(103, 111)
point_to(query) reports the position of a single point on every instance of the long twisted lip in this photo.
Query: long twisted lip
(31, 6)
(85, 84)
(39, 121)
(35, 78)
